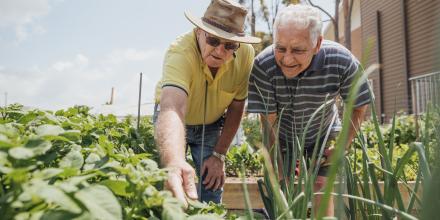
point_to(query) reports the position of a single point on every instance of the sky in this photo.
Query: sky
(56, 54)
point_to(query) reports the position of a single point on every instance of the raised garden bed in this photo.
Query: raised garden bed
(233, 196)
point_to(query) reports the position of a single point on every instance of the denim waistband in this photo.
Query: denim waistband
(219, 122)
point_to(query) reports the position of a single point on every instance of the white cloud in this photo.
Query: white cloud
(79, 62)
(20, 15)
(130, 54)
(85, 81)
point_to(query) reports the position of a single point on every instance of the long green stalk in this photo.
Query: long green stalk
(342, 139)
(385, 207)
(249, 213)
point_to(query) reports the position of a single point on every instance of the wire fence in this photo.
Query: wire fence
(425, 91)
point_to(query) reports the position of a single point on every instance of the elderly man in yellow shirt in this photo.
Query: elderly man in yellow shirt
(201, 99)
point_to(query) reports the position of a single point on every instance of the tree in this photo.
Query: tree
(347, 6)
(268, 16)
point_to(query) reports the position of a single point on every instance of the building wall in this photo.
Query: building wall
(423, 33)
(390, 81)
(408, 39)
(400, 59)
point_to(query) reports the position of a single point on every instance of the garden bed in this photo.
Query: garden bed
(233, 196)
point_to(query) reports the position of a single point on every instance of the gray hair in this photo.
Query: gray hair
(300, 16)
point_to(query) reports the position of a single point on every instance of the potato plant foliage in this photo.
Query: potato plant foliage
(70, 164)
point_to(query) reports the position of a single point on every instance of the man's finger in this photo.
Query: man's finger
(207, 178)
(211, 183)
(174, 184)
(223, 181)
(188, 184)
(218, 182)
(204, 168)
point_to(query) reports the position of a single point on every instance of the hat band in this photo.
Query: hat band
(220, 26)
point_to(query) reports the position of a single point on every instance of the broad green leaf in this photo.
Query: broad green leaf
(49, 130)
(21, 153)
(28, 118)
(118, 187)
(5, 170)
(33, 147)
(70, 185)
(73, 135)
(49, 117)
(62, 215)
(93, 158)
(100, 202)
(5, 142)
(55, 138)
(73, 159)
(47, 173)
(38, 146)
(22, 216)
(52, 194)
(19, 175)
(172, 210)
(8, 130)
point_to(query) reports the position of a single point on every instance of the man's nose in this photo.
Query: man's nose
(220, 49)
(288, 59)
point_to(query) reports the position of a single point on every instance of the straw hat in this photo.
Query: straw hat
(224, 19)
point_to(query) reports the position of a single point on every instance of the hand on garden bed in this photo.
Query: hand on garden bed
(181, 181)
(327, 156)
(214, 169)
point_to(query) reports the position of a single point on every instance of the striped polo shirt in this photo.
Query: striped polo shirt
(295, 100)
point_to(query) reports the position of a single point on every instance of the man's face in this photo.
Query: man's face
(214, 50)
(294, 50)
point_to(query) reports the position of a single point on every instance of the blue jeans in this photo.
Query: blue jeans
(194, 141)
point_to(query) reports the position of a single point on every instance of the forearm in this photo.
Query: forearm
(267, 123)
(232, 123)
(170, 137)
(170, 127)
(356, 120)
(267, 128)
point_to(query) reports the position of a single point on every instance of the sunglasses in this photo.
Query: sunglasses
(215, 42)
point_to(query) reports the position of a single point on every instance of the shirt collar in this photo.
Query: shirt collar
(317, 61)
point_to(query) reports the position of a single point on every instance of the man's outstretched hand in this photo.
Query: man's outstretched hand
(181, 181)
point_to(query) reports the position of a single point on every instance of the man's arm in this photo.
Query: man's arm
(268, 122)
(215, 178)
(170, 136)
(356, 120)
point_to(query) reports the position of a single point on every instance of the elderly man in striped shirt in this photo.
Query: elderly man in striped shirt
(296, 75)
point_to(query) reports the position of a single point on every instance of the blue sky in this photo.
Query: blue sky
(58, 53)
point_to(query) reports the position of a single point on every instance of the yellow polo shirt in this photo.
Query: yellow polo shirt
(184, 68)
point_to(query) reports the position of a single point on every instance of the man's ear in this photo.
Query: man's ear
(318, 44)
(198, 31)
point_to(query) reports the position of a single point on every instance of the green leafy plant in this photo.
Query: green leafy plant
(252, 130)
(72, 164)
(244, 155)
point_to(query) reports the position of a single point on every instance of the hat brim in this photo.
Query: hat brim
(219, 32)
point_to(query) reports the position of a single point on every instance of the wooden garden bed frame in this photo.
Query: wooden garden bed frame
(233, 196)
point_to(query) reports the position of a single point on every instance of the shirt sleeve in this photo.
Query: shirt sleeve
(176, 71)
(261, 97)
(364, 96)
(248, 61)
